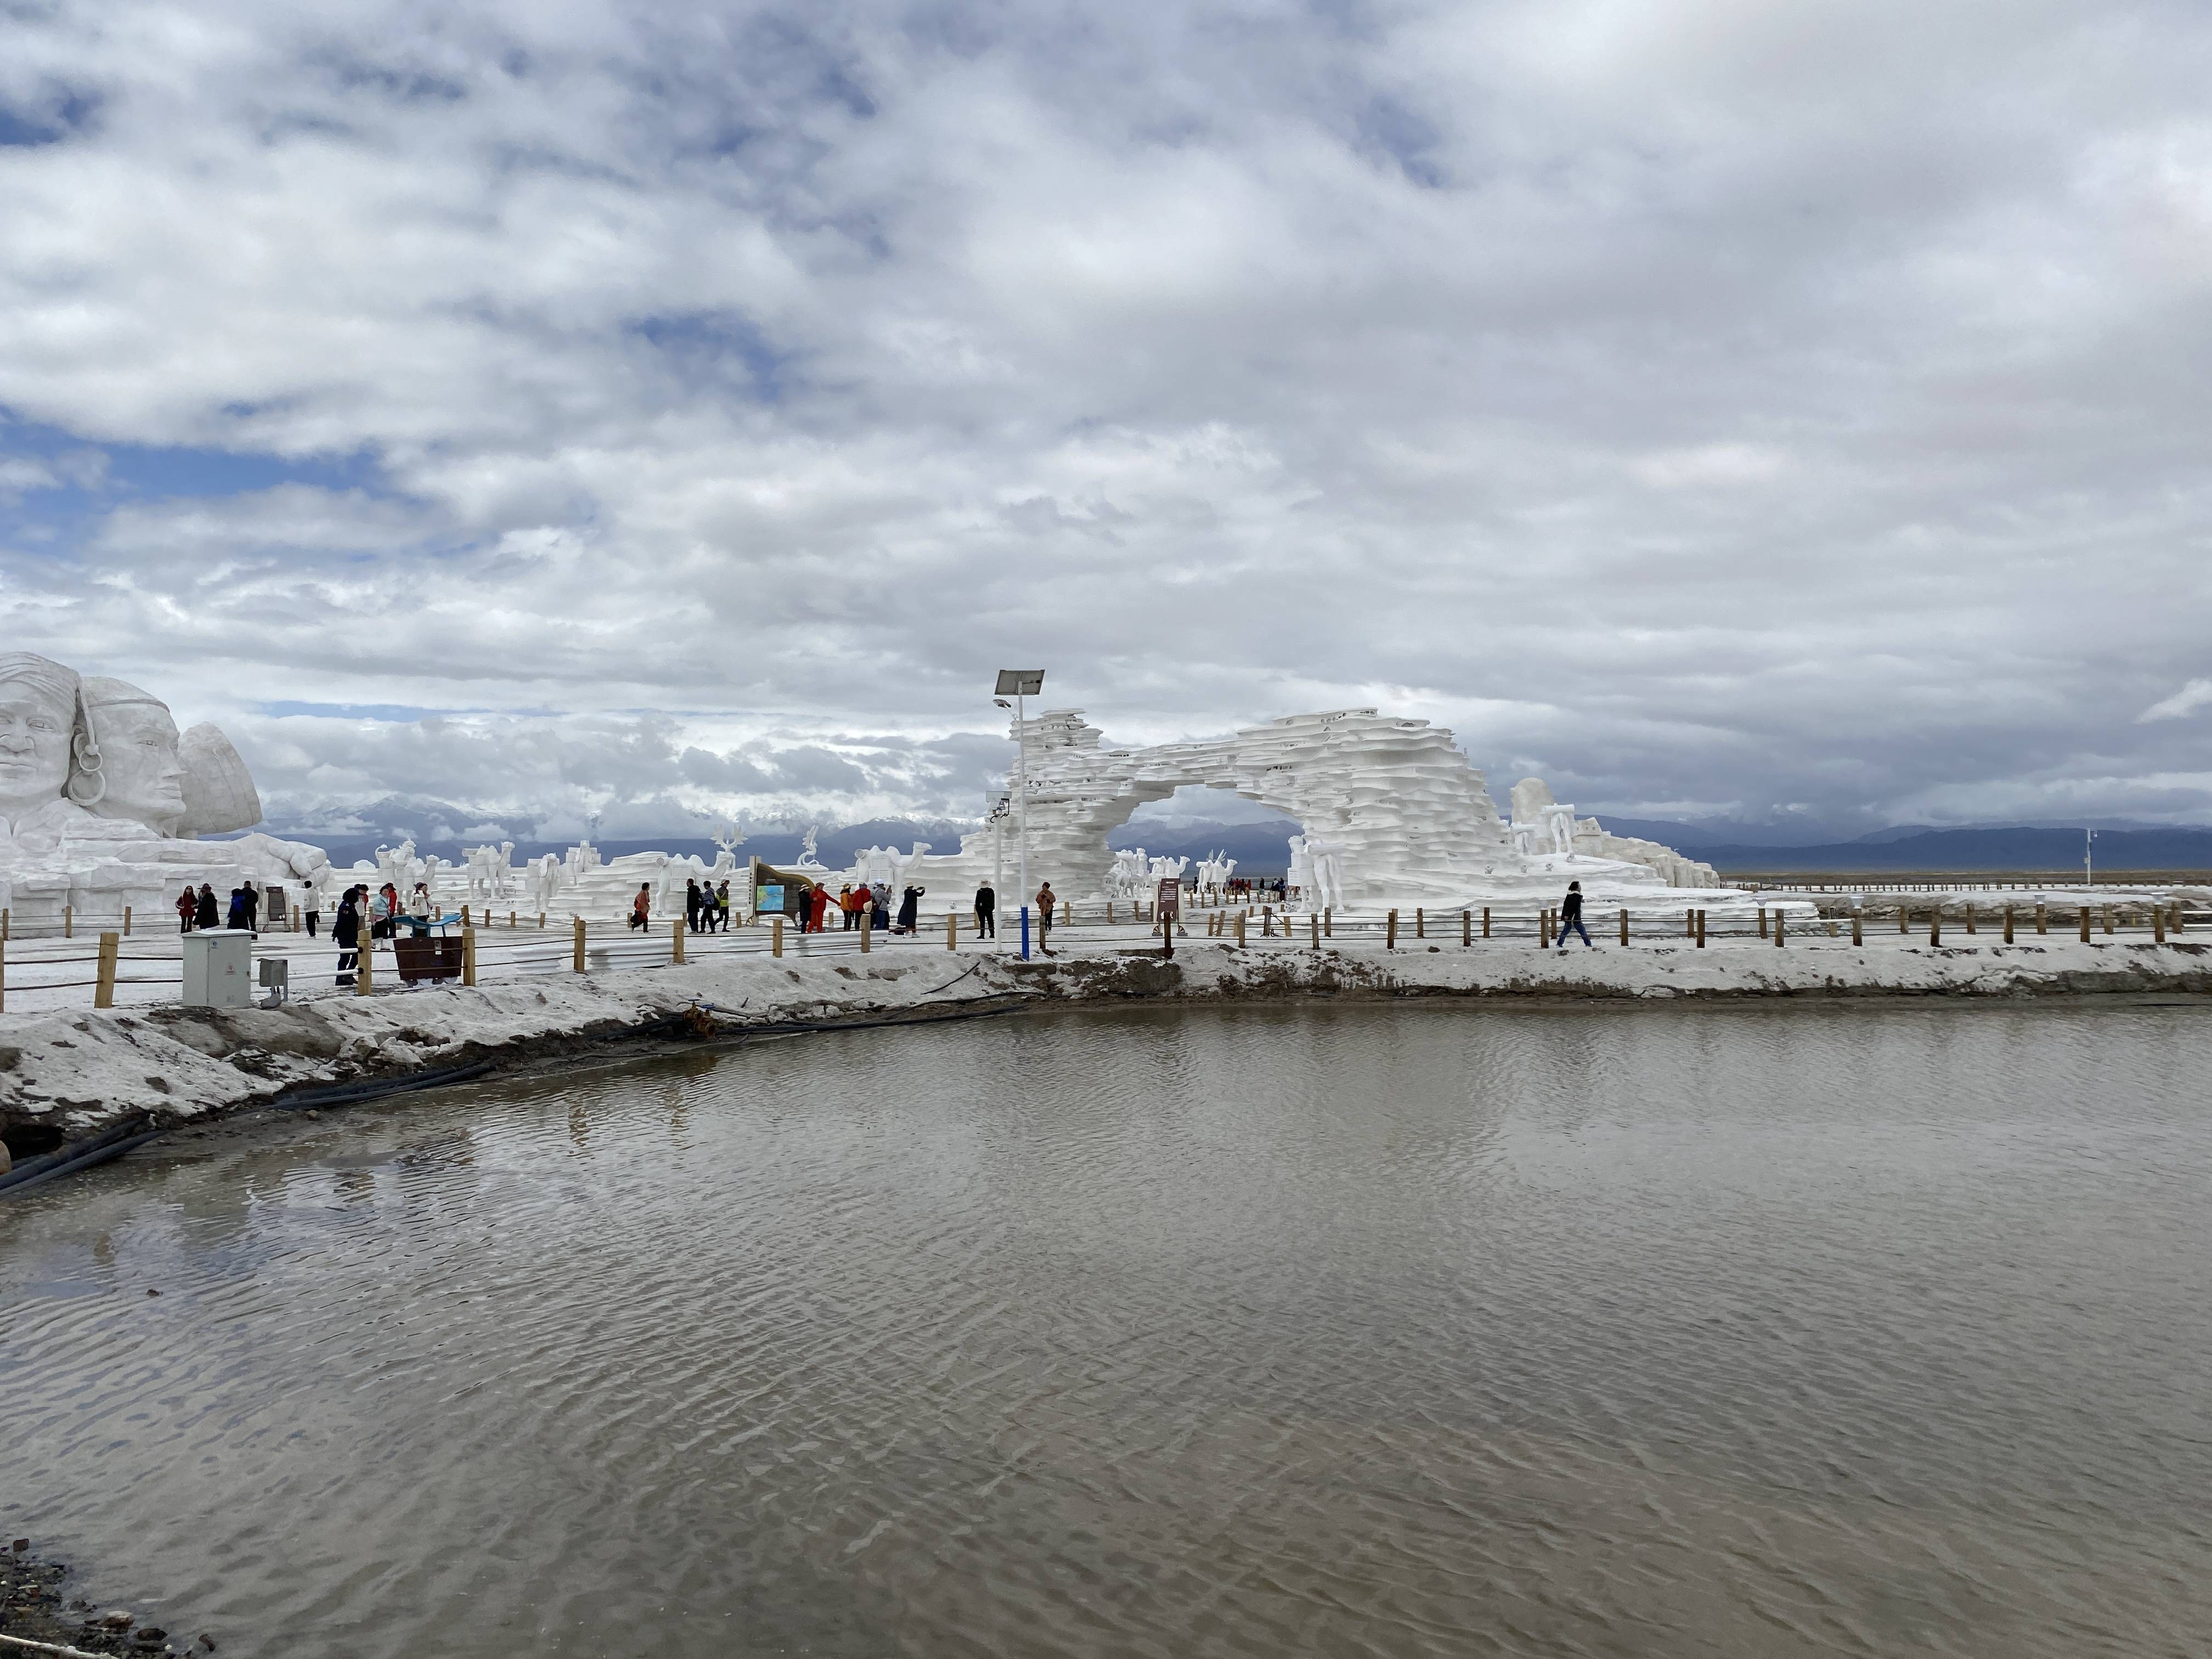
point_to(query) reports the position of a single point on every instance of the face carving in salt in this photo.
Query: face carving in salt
(35, 728)
(138, 756)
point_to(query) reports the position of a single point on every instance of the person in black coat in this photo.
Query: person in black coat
(909, 913)
(986, 912)
(1571, 915)
(345, 933)
(209, 916)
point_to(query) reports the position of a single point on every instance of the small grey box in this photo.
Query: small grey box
(218, 968)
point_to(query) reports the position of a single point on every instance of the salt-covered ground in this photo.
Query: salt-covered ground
(77, 1069)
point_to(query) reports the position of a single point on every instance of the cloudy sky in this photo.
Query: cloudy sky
(1725, 409)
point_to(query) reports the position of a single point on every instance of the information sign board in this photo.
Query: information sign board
(1171, 896)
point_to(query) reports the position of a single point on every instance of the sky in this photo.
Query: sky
(1783, 412)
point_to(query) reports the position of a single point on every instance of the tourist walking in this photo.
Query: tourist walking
(1047, 900)
(640, 909)
(909, 915)
(314, 909)
(252, 895)
(1571, 915)
(237, 920)
(692, 903)
(204, 914)
(986, 912)
(188, 905)
(345, 933)
(722, 907)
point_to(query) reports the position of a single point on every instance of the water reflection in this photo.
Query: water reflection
(1343, 1328)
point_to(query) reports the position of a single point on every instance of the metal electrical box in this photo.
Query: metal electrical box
(218, 968)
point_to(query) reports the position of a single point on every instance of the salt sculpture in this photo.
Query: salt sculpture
(1301, 872)
(100, 798)
(1393, 813)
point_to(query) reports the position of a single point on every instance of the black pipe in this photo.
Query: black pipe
(70, 1151)
(85, 1160)
(346, 1094)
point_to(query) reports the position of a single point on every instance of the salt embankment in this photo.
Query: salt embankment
(78, 1072)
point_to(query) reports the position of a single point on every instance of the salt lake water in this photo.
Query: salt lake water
(1423, 1329)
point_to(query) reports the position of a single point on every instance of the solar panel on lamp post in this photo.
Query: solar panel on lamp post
(1020, 684)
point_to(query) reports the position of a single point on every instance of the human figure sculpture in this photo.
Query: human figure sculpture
(50, 766)
(1302, 876)
(1328, 873)
(137, 741)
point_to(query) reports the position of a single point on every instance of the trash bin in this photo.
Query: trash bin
(218, 968)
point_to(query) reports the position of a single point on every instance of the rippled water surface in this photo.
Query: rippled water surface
(1360, 1330)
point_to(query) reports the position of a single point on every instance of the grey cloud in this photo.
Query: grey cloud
(1777, 407)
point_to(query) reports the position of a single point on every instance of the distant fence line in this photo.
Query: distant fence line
(494, 952)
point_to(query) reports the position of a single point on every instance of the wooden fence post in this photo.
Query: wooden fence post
(951, 929)
(1543, 929)
(68, 921)
(1486, 921)
(3, 973)
(2042, 918)
(2158, 924)
(1314, 918)
(365, 952)
(1858, 937)
(2084, 910)
(1240, 929)
(1762, 921)
(103, 991)
(775, 936)
(126, 921)
(1701, 927)
(867, 928)
(676, 940)
(1624, 924)
(510, 920)
(2108, 918)
(1969, 918)
(1420, 922)
(1935, 926)
(466, 923)
(577, 961)
(1467, 927)
(541, 922)
(468, 954)
(1390, 940)
(1329, 922)
(2008, 924)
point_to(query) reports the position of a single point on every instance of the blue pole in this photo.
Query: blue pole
(1025, 933)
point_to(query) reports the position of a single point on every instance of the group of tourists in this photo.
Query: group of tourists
(197, 911)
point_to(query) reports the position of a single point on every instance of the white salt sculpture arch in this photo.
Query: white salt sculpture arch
(1404, 811)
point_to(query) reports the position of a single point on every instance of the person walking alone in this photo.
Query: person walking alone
(1047, 901)
(640, 909)
(345, 933)
(1571, 915)
(986, 912)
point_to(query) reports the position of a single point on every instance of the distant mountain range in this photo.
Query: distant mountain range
(1262, 849)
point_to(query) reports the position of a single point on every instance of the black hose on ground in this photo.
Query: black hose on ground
(70, 1151)
(376, 1088)
(85, 1160)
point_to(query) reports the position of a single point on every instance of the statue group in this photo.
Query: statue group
(102, 798)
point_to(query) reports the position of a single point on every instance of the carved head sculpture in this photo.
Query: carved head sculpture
(40, 734)
(142, 773)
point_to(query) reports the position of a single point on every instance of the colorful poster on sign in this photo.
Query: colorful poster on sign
(769, 898)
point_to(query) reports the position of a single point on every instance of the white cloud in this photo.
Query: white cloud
(2197, 695)
(1719, 402)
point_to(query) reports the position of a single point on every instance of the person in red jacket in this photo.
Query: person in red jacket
(821, 908)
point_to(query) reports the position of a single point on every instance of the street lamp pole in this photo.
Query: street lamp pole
(1021, 685)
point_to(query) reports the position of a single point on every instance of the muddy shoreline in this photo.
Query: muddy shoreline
(67, 1077)
(38, 1605)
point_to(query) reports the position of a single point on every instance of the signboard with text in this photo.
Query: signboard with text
(1171, 897)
